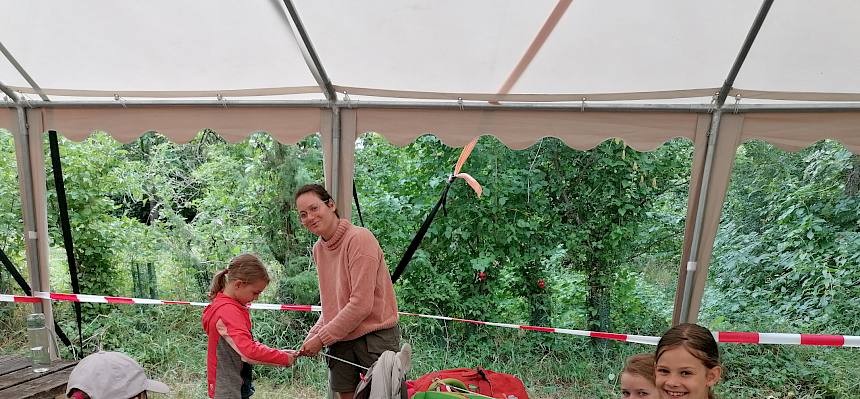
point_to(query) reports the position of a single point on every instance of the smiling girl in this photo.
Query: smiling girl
(687, 362)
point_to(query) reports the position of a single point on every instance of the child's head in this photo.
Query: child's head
(687, 362)
(637, 378)
(243, 279)
(111, 375)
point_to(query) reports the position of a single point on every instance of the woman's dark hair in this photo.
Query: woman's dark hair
(320, 192)
(695, 339)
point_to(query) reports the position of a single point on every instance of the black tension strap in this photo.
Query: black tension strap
(416, 241)
(26, 288)
(422, 231)
(66, 227)
(357, 205)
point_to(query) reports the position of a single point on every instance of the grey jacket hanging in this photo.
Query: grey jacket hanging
(385, 379)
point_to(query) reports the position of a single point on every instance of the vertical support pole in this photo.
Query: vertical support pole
(334, 188)
(692, 262)
(719, 100)
(31, 181)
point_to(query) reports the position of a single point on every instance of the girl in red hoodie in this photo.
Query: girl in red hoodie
(232, 350)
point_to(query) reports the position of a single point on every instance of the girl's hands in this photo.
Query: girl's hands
(311, 346)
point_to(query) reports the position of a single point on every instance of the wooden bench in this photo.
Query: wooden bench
(18, 381)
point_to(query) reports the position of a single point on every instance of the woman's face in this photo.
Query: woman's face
(317, 216)
(635, 386)
(681, 375)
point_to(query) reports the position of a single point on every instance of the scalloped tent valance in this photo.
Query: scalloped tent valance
(517, 129)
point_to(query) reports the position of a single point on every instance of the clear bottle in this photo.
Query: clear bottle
(37, 334)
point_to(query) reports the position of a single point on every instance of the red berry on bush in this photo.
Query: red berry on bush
(541, 284)
(482, 276)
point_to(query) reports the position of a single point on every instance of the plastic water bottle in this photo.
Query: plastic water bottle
(37, 333)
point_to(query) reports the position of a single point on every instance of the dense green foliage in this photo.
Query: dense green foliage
(790, 243)
(561, 237)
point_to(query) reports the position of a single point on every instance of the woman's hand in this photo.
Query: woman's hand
(311, 346)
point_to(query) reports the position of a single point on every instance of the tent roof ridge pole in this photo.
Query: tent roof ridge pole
(693, 260)
(742, 54)
(311, 57)
(23, 73)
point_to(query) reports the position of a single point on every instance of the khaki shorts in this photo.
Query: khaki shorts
(363, 350)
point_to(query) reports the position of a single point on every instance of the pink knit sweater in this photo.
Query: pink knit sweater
(355, 288)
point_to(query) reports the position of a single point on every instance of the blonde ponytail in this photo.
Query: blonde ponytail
(218, 283)
(245, 267)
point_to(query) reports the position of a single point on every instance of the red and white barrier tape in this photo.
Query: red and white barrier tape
(722, 337)
(38, 296)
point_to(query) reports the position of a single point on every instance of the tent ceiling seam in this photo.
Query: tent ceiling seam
(535, 46)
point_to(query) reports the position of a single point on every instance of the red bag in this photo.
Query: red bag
(484, 382)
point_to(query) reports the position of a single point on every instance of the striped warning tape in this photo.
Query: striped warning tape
(38, 296)
(721, 336)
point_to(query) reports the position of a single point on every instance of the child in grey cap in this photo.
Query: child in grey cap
(110, 375)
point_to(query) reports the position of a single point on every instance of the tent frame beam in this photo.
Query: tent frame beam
(742, 54)
(34, 217)
(23, 73)
(323, 104)
(9, 93)
(311, 56)
(688, 273)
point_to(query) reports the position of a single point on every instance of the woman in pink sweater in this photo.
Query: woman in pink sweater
(359, 310)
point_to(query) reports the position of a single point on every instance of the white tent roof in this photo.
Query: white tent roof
(425, 49)
(582, 70)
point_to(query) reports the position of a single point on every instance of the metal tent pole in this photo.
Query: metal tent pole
(33, 234)
(693, 260)
(310, 54)
(318, 71)
(334, 190)
(452, 105)
(23, 72)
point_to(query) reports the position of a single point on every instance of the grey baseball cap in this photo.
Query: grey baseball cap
(111, 375)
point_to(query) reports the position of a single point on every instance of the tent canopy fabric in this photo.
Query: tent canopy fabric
(580, 70)
(424, 49)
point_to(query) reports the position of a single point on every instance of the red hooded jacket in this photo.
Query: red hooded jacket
(231, 349)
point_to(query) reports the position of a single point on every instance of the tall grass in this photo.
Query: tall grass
(170, 343)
